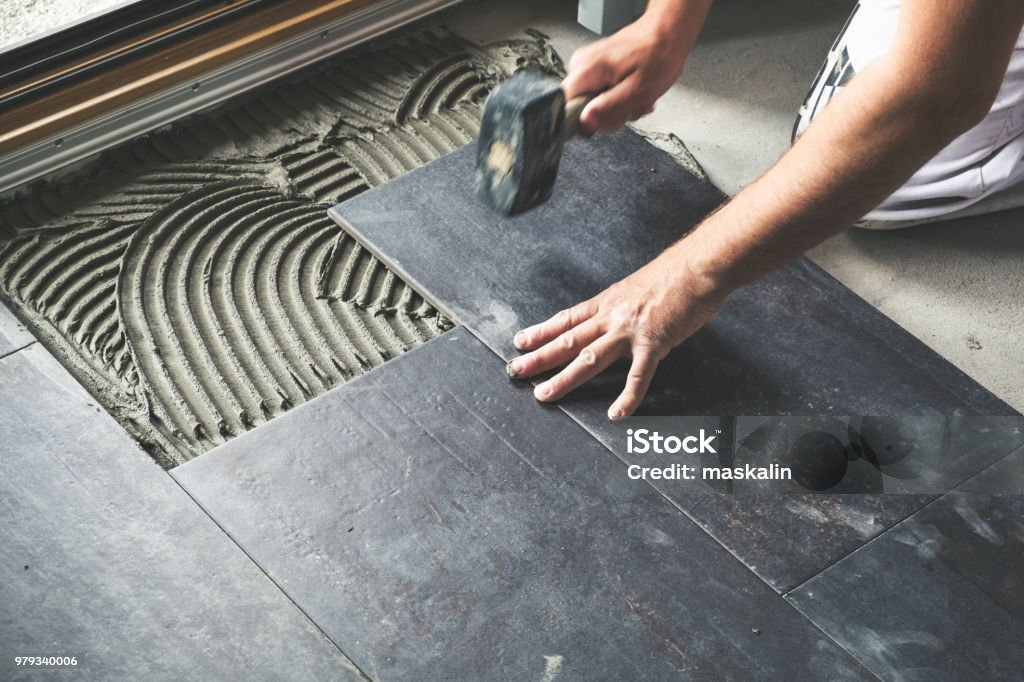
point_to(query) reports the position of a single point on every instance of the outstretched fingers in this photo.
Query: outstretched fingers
(557, 352)
(641, 372)
(590, 362)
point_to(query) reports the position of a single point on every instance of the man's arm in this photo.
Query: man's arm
(938, 80)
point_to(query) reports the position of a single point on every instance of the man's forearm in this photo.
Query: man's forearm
(679, 20)
(870, 139)
(860, 150)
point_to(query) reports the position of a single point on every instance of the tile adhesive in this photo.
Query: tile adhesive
(191, 279)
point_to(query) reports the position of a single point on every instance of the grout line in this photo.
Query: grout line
(830, 638)
(17, 350)
(273, 582)
(797, 586)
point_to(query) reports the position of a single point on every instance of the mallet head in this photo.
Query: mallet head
(522, 133)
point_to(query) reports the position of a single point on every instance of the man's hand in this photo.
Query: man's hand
(643, 316)
(635, 66)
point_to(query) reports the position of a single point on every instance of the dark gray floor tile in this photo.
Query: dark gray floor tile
(789, 538)
(103, 555)
(938, 597)
(438, 524)
(796, 342)
(13, 334)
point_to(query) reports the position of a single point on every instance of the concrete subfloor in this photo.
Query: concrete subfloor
(957, 286)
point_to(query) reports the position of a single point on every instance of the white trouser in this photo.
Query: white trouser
(979, 172)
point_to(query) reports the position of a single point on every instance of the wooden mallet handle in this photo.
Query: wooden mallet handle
(573, 109)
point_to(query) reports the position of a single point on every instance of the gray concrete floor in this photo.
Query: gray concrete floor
(958, 286)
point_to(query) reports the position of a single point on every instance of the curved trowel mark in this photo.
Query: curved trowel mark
(191, 279)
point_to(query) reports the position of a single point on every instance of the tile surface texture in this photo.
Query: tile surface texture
(873, 473)
(102, 555)
(939, 597)
(1005, 477)
(437, 524)
(931, 455)
(795, 342)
